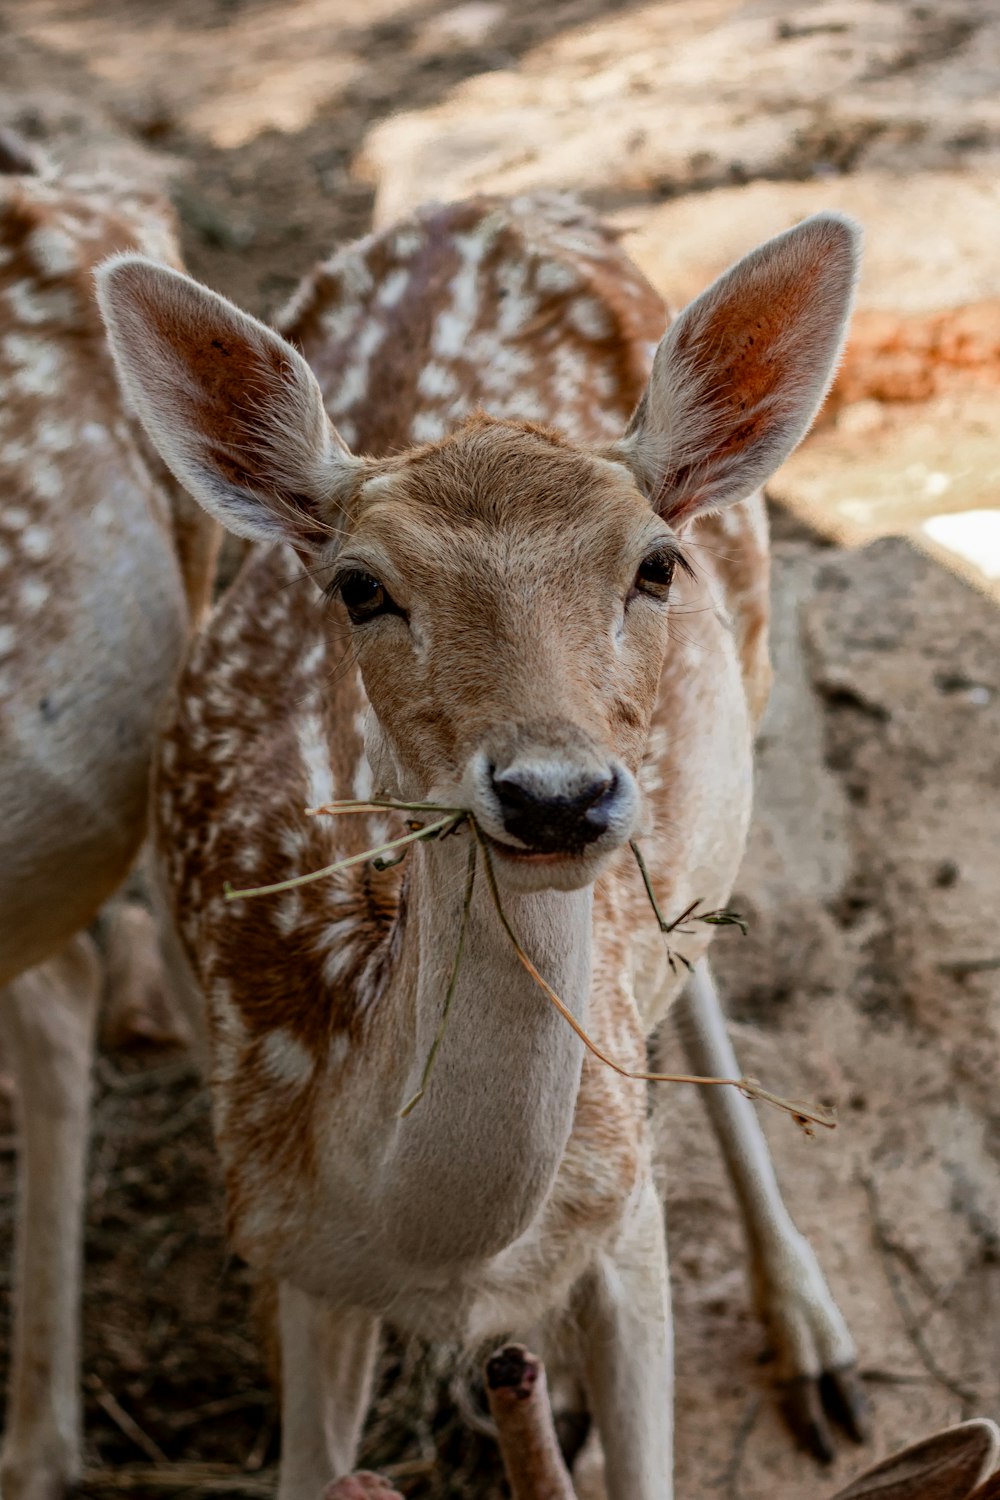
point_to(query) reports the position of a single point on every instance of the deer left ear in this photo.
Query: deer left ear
(740, 374)
(232, 409)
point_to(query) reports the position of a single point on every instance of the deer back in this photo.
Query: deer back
(93, 613)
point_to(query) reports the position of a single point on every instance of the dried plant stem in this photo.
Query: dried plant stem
(804, 1115)
(470, 881)
(452, 818)
(431, 831)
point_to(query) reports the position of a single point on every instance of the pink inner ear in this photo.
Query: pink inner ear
(750, 357)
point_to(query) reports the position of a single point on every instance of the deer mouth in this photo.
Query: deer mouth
(525, 855)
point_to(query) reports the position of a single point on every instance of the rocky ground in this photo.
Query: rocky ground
(871, 975)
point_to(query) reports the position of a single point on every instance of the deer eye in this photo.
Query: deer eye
(656, 573)
(364, 597)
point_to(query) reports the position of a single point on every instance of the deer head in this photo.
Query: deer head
(508, 594)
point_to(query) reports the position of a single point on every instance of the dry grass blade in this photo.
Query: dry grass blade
(430, 832)
(805, 1115)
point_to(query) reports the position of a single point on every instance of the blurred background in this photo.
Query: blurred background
(872, 973)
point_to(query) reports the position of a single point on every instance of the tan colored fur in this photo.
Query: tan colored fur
(103, 562)
(521, 1186)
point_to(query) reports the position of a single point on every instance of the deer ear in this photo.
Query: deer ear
(232, 409)
(740, 374)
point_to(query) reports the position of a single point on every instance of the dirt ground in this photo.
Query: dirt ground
(871, 976)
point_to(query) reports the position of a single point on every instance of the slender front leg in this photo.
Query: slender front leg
(623, 1312)
(47, 1017)
(815, 1352)
(327, 1364)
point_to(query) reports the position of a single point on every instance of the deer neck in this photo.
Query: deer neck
(476, 1157)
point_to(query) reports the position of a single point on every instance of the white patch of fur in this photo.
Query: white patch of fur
(32, 595)
(354, 384)
(393, 287)
(285, 1058)
(590, 318)
(517, 305)
(315, 753)
(8, 639)
(554, 276)
(314, 658)
(46, 479)
(286, 912)
(362, 785)
(36, 542)
(436, 381)
(405, 243)
(38, 366)
(54, 251)
(30, 304)
(455, 323)
(427, 427)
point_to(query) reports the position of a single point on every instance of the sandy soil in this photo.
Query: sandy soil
(872, 971)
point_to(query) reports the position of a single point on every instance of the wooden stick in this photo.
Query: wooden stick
(519, 1404)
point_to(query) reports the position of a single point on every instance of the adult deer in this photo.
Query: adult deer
(477, 616)
(102, 562)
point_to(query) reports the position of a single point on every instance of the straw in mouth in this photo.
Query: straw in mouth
(449, 820)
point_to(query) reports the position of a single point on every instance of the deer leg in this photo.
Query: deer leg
(622, 1310)
(327, 1364)
(815, 1352)
(48, 1017)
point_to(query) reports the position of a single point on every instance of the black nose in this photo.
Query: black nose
(548, 824)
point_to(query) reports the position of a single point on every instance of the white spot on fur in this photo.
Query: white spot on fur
(7, 639)
(362, 785)
(38, 365)
(285, 1058)
(354, 384)
(287, 912)
(590, 317)
(427, 427)
(393, 287)
(46, 480)
(315, 754)
(36, 542)
(517, 305)
(314, 658)
(32, 305)
(58, 437)
(33, 595)
(553, 276)
(405, 243)
(454, 324)
(14, 518)
(54, 251)
(436, 381)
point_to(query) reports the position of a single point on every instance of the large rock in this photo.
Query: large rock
(703, 93)
(873, 981)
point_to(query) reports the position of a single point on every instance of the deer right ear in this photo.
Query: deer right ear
(234, 412)
(739, 375)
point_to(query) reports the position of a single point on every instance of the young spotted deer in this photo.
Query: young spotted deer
(476, 613)
(102, 562)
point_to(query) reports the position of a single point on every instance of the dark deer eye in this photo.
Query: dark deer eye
(363, 596)
(656, 573)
